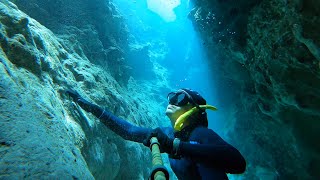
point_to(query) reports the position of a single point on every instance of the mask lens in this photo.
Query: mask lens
(172, 98)
(178, 99)
(181, 99)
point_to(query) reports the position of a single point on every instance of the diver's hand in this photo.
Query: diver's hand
(166, 143)
(73, 94)
(86, 105)
(77, 98)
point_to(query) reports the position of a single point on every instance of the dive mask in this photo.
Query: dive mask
(179, 98)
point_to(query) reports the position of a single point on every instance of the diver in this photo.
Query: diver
(195, 151)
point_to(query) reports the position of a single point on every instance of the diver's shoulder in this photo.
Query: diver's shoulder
(202, 129)
(203, 132)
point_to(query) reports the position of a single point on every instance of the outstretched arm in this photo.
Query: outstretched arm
(119, 126)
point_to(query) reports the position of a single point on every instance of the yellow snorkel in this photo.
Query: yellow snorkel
(179, 122)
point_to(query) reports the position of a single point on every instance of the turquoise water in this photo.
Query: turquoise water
(167, 23)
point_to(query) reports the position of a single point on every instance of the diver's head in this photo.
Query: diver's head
(182, 101)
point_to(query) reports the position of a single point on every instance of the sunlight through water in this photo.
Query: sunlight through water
(164, 8)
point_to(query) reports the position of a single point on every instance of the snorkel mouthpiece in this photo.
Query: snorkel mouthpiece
(180, 121)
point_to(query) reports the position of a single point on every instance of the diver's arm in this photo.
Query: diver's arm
(119, 126)
(219, 154)
(123, 128)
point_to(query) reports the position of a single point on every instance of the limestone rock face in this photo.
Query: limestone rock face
(141, 63)
(94, 27)
(272, 71)
(35, 141)
(43, 133)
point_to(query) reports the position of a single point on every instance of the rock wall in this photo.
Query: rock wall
(268, 55)
(43, 133)
(95, 26)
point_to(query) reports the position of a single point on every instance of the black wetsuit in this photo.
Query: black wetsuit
(204, 155)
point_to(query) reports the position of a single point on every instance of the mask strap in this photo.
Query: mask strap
(190, 97)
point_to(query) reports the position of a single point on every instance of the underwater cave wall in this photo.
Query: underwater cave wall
(95, 29)
(268, 58)
(43, 133)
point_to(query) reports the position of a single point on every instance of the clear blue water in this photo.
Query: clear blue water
(186, 60)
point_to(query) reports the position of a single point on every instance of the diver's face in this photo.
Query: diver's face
(179, 103)
(174, 111)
